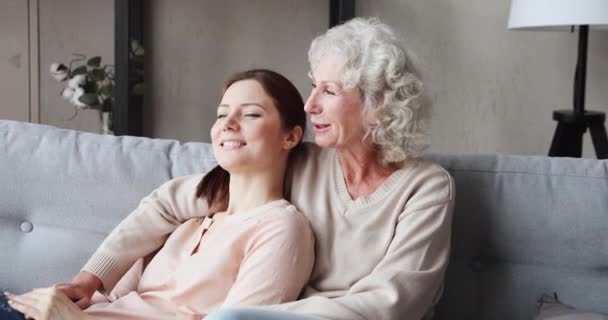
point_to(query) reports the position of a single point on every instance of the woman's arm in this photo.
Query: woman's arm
(142, 232)
(277, 264)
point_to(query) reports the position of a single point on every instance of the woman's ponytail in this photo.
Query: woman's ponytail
(214, 188)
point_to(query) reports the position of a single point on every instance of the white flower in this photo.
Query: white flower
(67, 93)
(77, 81)
(78, 92)
(59, 71)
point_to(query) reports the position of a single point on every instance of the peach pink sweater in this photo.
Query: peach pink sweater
(261, 256)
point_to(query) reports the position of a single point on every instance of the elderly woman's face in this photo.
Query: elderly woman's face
(335, 113)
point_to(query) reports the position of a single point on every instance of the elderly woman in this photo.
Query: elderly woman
(380, 214)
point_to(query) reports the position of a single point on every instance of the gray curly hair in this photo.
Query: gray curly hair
(391, 90)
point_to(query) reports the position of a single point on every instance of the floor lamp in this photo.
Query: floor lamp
(569, 15)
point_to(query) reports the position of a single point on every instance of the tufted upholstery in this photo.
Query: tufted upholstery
(522, 226)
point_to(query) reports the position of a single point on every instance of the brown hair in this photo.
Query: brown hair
(289, 103)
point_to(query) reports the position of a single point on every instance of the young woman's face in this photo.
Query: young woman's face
(335, 113)
(248, 136)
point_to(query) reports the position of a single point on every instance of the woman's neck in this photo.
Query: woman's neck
(251, 191)
(363, 170)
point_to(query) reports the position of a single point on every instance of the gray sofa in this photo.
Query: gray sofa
(523, 226)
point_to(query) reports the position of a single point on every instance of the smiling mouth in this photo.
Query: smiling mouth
(230, 144)
(317, 126)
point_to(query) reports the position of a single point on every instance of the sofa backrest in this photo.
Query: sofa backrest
(63, 191)
(524, 226)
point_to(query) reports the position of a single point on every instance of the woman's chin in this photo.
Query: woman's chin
(229, 166)
(323, 142)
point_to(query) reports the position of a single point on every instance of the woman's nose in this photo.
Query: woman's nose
(230, 123)
(312, 105)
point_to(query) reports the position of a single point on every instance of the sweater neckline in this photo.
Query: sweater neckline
(249, 213)
(384, 188)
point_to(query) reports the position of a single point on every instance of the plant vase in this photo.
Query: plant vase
(106, 122)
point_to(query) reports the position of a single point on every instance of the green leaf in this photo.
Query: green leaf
(106, 90)
(106, 106)
(94, 62)
(90, 87)
(139, 89)
(90, 99)
(79, 70)
(97, 75)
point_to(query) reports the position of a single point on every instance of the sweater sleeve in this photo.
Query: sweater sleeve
(146, 228)
(277, 264)
(406, 282)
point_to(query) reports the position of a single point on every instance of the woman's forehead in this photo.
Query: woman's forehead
(245, 92)
(328, 68)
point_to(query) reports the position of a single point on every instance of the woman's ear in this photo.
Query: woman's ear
(292, 138)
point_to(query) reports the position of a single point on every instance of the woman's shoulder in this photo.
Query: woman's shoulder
(427, 169)
(313, 156)
(286, 216)
(429, 182)
(286, 211)
(284, 222)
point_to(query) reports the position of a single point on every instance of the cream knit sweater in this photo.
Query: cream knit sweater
(381, 256)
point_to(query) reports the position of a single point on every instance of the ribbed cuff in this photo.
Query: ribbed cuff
(104, 267)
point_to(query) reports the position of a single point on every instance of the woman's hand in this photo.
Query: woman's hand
(81, 289)
(46, 304)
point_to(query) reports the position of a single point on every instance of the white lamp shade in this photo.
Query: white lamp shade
(558, 14)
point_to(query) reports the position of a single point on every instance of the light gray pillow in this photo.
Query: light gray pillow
(550, 308)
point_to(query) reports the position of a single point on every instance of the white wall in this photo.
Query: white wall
(494, 90)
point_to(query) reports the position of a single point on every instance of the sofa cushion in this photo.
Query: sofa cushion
(550, 308)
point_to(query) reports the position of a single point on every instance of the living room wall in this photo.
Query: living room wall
(193, 46)
(493, 90)
(67, 27)
(36, 33)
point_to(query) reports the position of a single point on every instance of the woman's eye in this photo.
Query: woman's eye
(252, 115)
(219, 116)
(331, 93)
(314, 86)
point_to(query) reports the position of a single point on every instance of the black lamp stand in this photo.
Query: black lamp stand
(571, 125)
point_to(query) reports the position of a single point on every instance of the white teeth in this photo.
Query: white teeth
(232, 144)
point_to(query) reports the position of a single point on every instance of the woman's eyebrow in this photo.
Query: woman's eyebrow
(245, 104)
(330, 82)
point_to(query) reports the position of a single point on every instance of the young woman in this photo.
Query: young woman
(249, 246)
